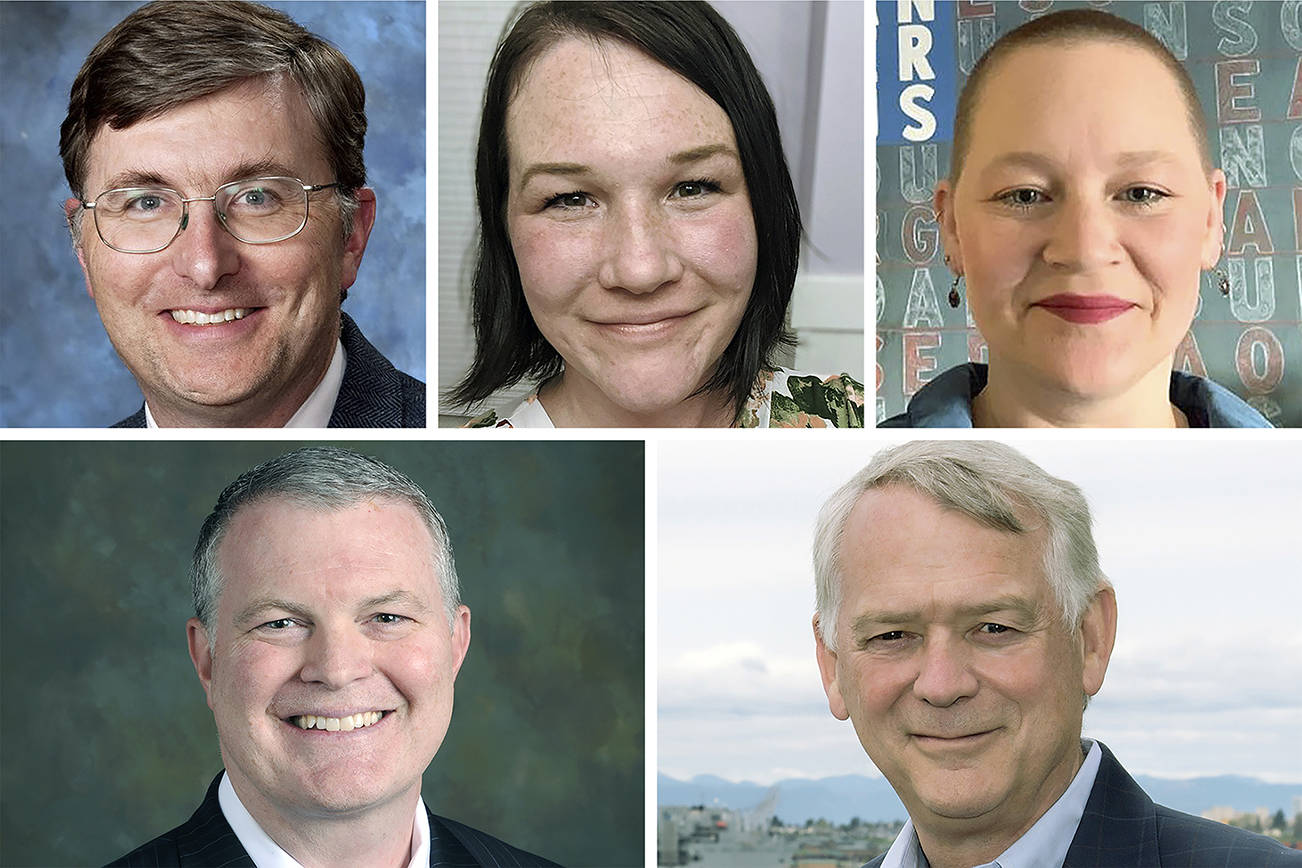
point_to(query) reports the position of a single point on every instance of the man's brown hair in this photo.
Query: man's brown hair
(169, 53)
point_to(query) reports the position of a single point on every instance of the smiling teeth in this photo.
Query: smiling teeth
(198, 317)
(346, 723)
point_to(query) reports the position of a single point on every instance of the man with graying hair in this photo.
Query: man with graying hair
(327, 636)
(962, 624)
(220, 213)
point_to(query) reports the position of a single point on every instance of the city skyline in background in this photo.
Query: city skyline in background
(1199, 539)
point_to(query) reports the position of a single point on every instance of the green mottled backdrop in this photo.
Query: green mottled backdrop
(105, 739)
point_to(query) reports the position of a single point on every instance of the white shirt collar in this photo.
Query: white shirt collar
(266, 853)
(1044, 845)
(315, 412)
(530, 414)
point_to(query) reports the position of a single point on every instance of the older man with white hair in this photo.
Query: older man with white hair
(962, 625)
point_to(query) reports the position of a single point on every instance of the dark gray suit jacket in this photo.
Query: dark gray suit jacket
(207, 841)
(1122, 828)
(374, 394)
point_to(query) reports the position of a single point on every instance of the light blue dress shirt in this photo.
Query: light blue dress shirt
(1044, 845)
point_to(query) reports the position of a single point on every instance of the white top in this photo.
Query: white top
(1044, 845)
(266, 853)
(315, 412)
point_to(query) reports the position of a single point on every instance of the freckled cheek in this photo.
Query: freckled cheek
(721, 247)
(555, 262)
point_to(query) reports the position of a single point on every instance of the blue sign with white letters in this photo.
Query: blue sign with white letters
(916, 71)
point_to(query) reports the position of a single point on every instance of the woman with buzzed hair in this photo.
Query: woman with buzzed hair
(1078, 214)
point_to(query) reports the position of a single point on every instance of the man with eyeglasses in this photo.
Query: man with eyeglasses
(220, 214)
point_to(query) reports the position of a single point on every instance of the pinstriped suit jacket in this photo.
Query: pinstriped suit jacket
(1122, 828)
(374, 394)
(207, 841)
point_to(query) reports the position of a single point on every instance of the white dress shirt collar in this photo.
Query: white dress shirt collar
(1044, 845)
(266, 853)
(315, 412)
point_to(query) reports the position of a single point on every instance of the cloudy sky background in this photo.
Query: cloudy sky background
(1202, 539)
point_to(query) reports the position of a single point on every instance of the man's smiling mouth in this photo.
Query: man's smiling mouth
(347, 723)
(198, 317)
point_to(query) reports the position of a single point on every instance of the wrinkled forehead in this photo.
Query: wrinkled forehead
(903, 543)
(257, 126)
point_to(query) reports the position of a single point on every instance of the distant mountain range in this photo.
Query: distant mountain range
(840, 798)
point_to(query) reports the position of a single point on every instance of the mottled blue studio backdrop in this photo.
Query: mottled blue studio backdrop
(57, 367)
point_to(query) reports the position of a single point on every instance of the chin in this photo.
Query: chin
(342, 792)
(960, 799)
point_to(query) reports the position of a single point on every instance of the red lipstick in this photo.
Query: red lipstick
(1085, 309)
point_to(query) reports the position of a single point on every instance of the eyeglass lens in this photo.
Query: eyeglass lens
(255, 210)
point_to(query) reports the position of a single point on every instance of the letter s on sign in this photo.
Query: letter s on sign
(910, 98)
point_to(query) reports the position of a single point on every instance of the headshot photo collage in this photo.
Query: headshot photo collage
(633, 644)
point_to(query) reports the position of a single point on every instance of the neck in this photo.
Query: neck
(270, 410)
(379, 835)
(951, 842)
(1017, 399)
(573, 402)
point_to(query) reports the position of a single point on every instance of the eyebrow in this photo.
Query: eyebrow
(680, 158)
(261, 606)
(247, 169)
(1039, 162)
(1020, 606)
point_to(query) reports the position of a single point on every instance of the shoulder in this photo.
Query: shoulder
(1197, 841)
(529, 413)
(205, 839)
(135, 420)
(943, 402)
(875, 863)
(488, 420)
(1208, 404)
(485, 849)
(797, 400)
(374, 393)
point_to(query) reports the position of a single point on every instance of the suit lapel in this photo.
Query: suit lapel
(1119, 826)
(208, 840)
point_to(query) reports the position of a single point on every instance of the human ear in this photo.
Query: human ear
(460, 638)
(355, 244)
(942, 203)
(1098, 634)
(70, 207)
(827, 668)
(1215, 232)
(200, 655)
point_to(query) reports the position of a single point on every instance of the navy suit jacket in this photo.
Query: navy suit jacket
(207, 841)
(1122, 828)
(374, 394)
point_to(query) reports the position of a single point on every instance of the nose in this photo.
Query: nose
(944, 676)
(639, 254)
(1084, 235)
(204, 252)
(336, 657)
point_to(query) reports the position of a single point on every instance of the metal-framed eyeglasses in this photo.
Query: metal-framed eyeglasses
(253, 210)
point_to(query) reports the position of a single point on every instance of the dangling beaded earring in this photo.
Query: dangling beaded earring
(954, 298)
(1222, 281)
